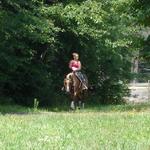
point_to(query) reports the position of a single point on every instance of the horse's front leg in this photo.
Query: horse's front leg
(73, 105)
(74, 99)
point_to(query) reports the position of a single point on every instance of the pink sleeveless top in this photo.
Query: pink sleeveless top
(75, 64)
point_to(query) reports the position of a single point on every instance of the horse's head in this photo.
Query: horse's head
(68, 84)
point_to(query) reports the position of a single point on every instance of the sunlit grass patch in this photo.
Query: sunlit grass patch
(90, 129)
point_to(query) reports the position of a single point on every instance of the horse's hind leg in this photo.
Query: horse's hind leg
(83, 105)
(80, 103)
(72, 105)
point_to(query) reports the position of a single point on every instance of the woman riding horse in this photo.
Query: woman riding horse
(75, 82)
(75, 66)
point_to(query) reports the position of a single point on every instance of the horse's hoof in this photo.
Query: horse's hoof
(71, 109)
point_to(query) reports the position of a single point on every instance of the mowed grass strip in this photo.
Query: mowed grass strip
(81, 130)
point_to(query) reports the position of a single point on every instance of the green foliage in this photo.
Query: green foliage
(37, 39)
(27, 39)
(104, 34)
(142, 12)
(145, 61)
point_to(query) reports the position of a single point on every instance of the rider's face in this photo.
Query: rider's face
(75, 57)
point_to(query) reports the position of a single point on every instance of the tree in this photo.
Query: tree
(105, 34)
(27, 43)
(37, 38)
(142, 12)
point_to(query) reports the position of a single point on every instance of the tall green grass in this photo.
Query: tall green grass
(122, 127)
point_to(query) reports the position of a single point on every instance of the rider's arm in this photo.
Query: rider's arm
(79, 68)
(70, 64)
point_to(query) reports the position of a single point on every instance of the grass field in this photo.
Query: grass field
(121, 127)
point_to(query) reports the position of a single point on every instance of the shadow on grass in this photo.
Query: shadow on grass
(15, 109)
(20, 110)
(137, 107)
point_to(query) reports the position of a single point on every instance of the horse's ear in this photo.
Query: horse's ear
(70, 76)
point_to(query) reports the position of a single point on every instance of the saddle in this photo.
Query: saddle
(83, 79)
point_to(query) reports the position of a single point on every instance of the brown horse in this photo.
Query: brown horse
(74, 86)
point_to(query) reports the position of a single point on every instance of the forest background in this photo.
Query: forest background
(37, 38)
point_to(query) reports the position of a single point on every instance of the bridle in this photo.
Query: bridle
(68, 84)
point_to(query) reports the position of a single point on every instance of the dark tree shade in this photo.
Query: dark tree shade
(37, 39)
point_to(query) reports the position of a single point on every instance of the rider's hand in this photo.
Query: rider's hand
(74, 69)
